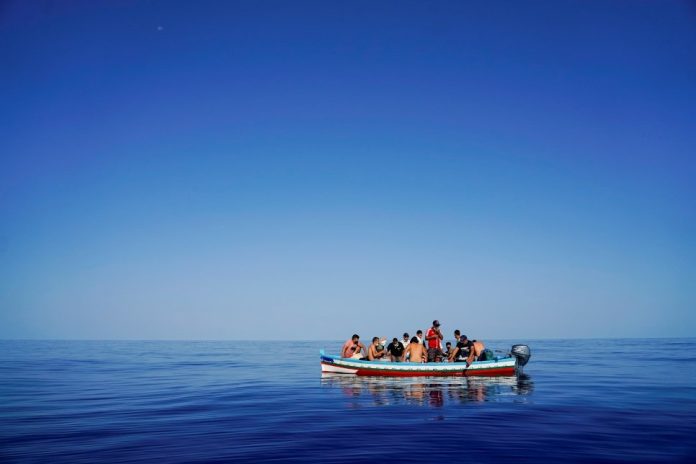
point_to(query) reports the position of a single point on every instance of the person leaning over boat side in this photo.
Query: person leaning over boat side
(457, 336)
(478, 351)
(476, 348)
(376, 352)
(396, 350)
(462, 351)
(416, 351)
(353, 348)
(433, 337)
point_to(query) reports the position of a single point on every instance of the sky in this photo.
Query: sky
(307, 170)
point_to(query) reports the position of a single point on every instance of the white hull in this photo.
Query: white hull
(337, 369)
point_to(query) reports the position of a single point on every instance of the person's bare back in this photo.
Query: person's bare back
(416, 351)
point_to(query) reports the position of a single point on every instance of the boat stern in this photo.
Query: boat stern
(328, 365)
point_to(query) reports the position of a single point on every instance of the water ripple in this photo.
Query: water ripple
(237, 402)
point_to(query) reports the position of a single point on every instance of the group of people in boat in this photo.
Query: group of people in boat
(418, 349)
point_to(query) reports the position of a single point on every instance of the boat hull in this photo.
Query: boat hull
(493, 368)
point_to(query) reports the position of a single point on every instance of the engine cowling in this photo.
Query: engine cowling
(522, 353)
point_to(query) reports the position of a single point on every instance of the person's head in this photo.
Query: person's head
(462, 338)
(436, 324)
(396, 340)
(448, 345)
(419, 333)
(406, 336)
(457, 334)
(375, 340)
(355, 338)
(414, 340)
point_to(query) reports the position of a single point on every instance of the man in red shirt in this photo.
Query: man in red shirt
(433, 337)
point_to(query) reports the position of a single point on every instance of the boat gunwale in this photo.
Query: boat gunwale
(349, 363)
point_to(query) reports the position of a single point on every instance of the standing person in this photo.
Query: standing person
(376, 352)
(419, 336)
(457, 335)
(405, 341)
(396, 350)
(416, 351)
(433, 337)
(353, 348)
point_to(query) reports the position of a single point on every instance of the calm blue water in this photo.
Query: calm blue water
(580, 401)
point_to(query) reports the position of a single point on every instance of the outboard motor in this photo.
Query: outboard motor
(522, 353)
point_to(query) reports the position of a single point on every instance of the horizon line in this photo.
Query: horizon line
(302, 340)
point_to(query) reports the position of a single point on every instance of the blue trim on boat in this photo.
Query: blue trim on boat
(331, 359)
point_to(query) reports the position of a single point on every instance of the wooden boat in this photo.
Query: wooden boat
(499, 366)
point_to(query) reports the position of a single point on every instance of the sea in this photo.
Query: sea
(589, 401)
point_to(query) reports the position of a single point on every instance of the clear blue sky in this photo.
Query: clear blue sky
(306, 170)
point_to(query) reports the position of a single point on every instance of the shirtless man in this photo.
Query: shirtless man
(448, 349)
(374, 353)
(353, 348)
(416, 351)
(477, 350)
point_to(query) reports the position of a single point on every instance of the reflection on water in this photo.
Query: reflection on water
(199, 402)
(430, 391)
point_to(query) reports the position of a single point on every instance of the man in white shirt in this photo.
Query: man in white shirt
(419, 336)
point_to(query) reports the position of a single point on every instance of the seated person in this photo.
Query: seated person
(416, 351)
(448, 349)
(376, 351)
(396, 350)
(353, 348)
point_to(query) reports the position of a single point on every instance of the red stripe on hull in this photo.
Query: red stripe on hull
(503, 371)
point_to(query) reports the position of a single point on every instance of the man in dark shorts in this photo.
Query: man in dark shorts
(433, 338)
(396, 350)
